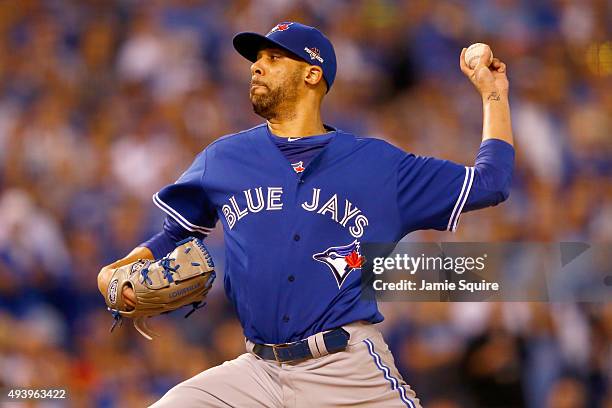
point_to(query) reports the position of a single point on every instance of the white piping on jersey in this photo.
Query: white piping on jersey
(450, 220)
(465, 192)
(178, 217)
(387, 373)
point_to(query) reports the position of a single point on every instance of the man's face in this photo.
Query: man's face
(276, 78)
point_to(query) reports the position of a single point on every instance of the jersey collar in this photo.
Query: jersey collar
(339, 147)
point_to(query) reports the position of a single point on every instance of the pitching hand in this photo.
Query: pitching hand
(491, 81)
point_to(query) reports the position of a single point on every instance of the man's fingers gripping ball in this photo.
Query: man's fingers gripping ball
(148, 288)
(498, 66)
(464, 67)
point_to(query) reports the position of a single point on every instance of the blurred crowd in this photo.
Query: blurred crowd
(103, 102)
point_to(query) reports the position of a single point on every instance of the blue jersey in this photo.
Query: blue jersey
(292, 238)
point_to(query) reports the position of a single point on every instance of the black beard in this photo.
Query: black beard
(268, 106)
(278, 102)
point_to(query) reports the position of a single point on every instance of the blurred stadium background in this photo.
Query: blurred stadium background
(104, 102)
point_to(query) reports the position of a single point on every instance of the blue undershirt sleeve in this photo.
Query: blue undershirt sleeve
(159, 244)
(165, 241)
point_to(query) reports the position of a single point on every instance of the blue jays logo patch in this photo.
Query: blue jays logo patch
(342, 260)
(298, 167)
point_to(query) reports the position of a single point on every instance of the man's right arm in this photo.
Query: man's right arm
(189, 213)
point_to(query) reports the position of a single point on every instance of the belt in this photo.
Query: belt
(335, 341)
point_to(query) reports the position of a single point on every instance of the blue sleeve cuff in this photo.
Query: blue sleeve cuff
(494, 147)
(492, 174)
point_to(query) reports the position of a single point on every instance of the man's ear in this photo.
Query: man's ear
(314, 75)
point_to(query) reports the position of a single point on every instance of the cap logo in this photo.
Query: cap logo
(279, 27)
(314, 54)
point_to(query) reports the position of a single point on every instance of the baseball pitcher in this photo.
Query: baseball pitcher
(296, 198)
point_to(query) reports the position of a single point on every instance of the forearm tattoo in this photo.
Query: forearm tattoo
(493, 96)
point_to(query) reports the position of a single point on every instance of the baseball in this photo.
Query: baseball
(474, 52)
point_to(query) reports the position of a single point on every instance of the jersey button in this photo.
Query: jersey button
(296, 237)
(301, 180)
(291, 278)
(285, 318)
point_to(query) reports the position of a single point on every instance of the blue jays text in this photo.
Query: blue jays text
(273, 201)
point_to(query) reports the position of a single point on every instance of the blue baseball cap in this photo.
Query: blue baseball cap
(307, 43)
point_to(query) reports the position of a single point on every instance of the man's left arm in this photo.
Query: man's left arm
(432, 193)
(495, 161)
(492, 84)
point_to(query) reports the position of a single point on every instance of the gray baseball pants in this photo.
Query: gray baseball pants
(364, 375)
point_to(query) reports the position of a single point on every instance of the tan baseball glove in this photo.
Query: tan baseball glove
(181, 278)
